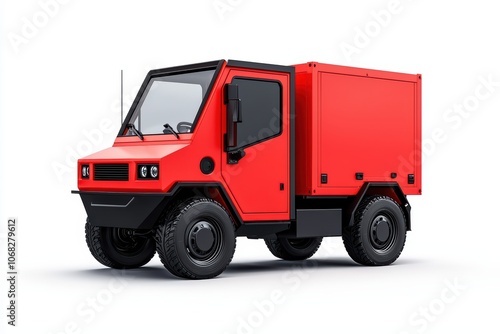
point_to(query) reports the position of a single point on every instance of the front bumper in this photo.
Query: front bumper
(126, 210)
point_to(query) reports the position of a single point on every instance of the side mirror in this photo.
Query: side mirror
(233, 115)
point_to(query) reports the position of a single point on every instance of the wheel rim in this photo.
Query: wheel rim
(204, 242)
(383, 231)
(300, 243)
(126, 242)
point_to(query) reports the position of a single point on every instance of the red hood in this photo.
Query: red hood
(135, 153)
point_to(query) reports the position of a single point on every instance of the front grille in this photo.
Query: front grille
(111, 172)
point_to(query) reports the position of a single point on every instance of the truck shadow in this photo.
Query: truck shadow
(147, 272)
(235, 269)
(312, 264)
(282, 265)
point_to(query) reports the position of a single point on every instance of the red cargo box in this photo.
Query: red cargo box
(354, 126)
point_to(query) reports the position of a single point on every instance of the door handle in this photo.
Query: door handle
(234, 156)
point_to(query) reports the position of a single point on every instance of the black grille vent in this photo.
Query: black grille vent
(111, 172)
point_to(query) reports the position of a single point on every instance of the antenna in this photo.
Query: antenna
(121, 96)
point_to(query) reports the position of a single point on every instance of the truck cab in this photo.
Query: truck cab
(208, 152)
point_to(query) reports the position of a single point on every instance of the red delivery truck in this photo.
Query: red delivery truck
(290, 154)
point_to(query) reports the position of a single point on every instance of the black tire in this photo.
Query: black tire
(293, 249)
(197, 239)
(378, 234)
(118, 248)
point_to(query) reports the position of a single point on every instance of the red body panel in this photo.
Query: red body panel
(352, 120)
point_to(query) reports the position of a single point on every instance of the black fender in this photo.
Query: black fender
(391, 189)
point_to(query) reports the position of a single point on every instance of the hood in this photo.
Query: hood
(135, 152)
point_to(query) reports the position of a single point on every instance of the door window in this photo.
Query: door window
(261, 111)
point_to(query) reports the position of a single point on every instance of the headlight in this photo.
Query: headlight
(85, 171)
(144, 171)
(148, 172)
(154, 172)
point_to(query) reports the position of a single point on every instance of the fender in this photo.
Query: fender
(391, 189)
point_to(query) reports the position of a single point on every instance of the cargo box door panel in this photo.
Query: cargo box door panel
(367, 125)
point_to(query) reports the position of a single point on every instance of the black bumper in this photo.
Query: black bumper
(127, 210)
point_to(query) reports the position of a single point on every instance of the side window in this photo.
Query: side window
(261, 110)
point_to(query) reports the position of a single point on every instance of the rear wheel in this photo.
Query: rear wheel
(293, 249)
(119, 248)
(197, 239)
(378, 234)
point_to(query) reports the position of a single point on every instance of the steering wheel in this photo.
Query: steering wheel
(184, 127)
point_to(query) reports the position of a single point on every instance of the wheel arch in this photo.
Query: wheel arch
(390, 189)
(182, 191)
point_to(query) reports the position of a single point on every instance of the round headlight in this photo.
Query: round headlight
(144, 171)
(85, 171)
(154, 172)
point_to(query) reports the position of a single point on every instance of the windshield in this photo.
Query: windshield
(171, 102)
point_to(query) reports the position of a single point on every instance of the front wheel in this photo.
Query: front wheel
(378, 234)
(119, 248)
(197, 239)
(293, 249)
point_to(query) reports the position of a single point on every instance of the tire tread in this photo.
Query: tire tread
(352, 234)
(94, 242)
(165, 238)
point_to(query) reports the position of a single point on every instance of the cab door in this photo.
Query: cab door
(257, 151)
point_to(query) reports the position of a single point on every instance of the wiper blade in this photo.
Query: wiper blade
(171, 129)
(134, 130)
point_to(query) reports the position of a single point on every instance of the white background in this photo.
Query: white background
(60, 81)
